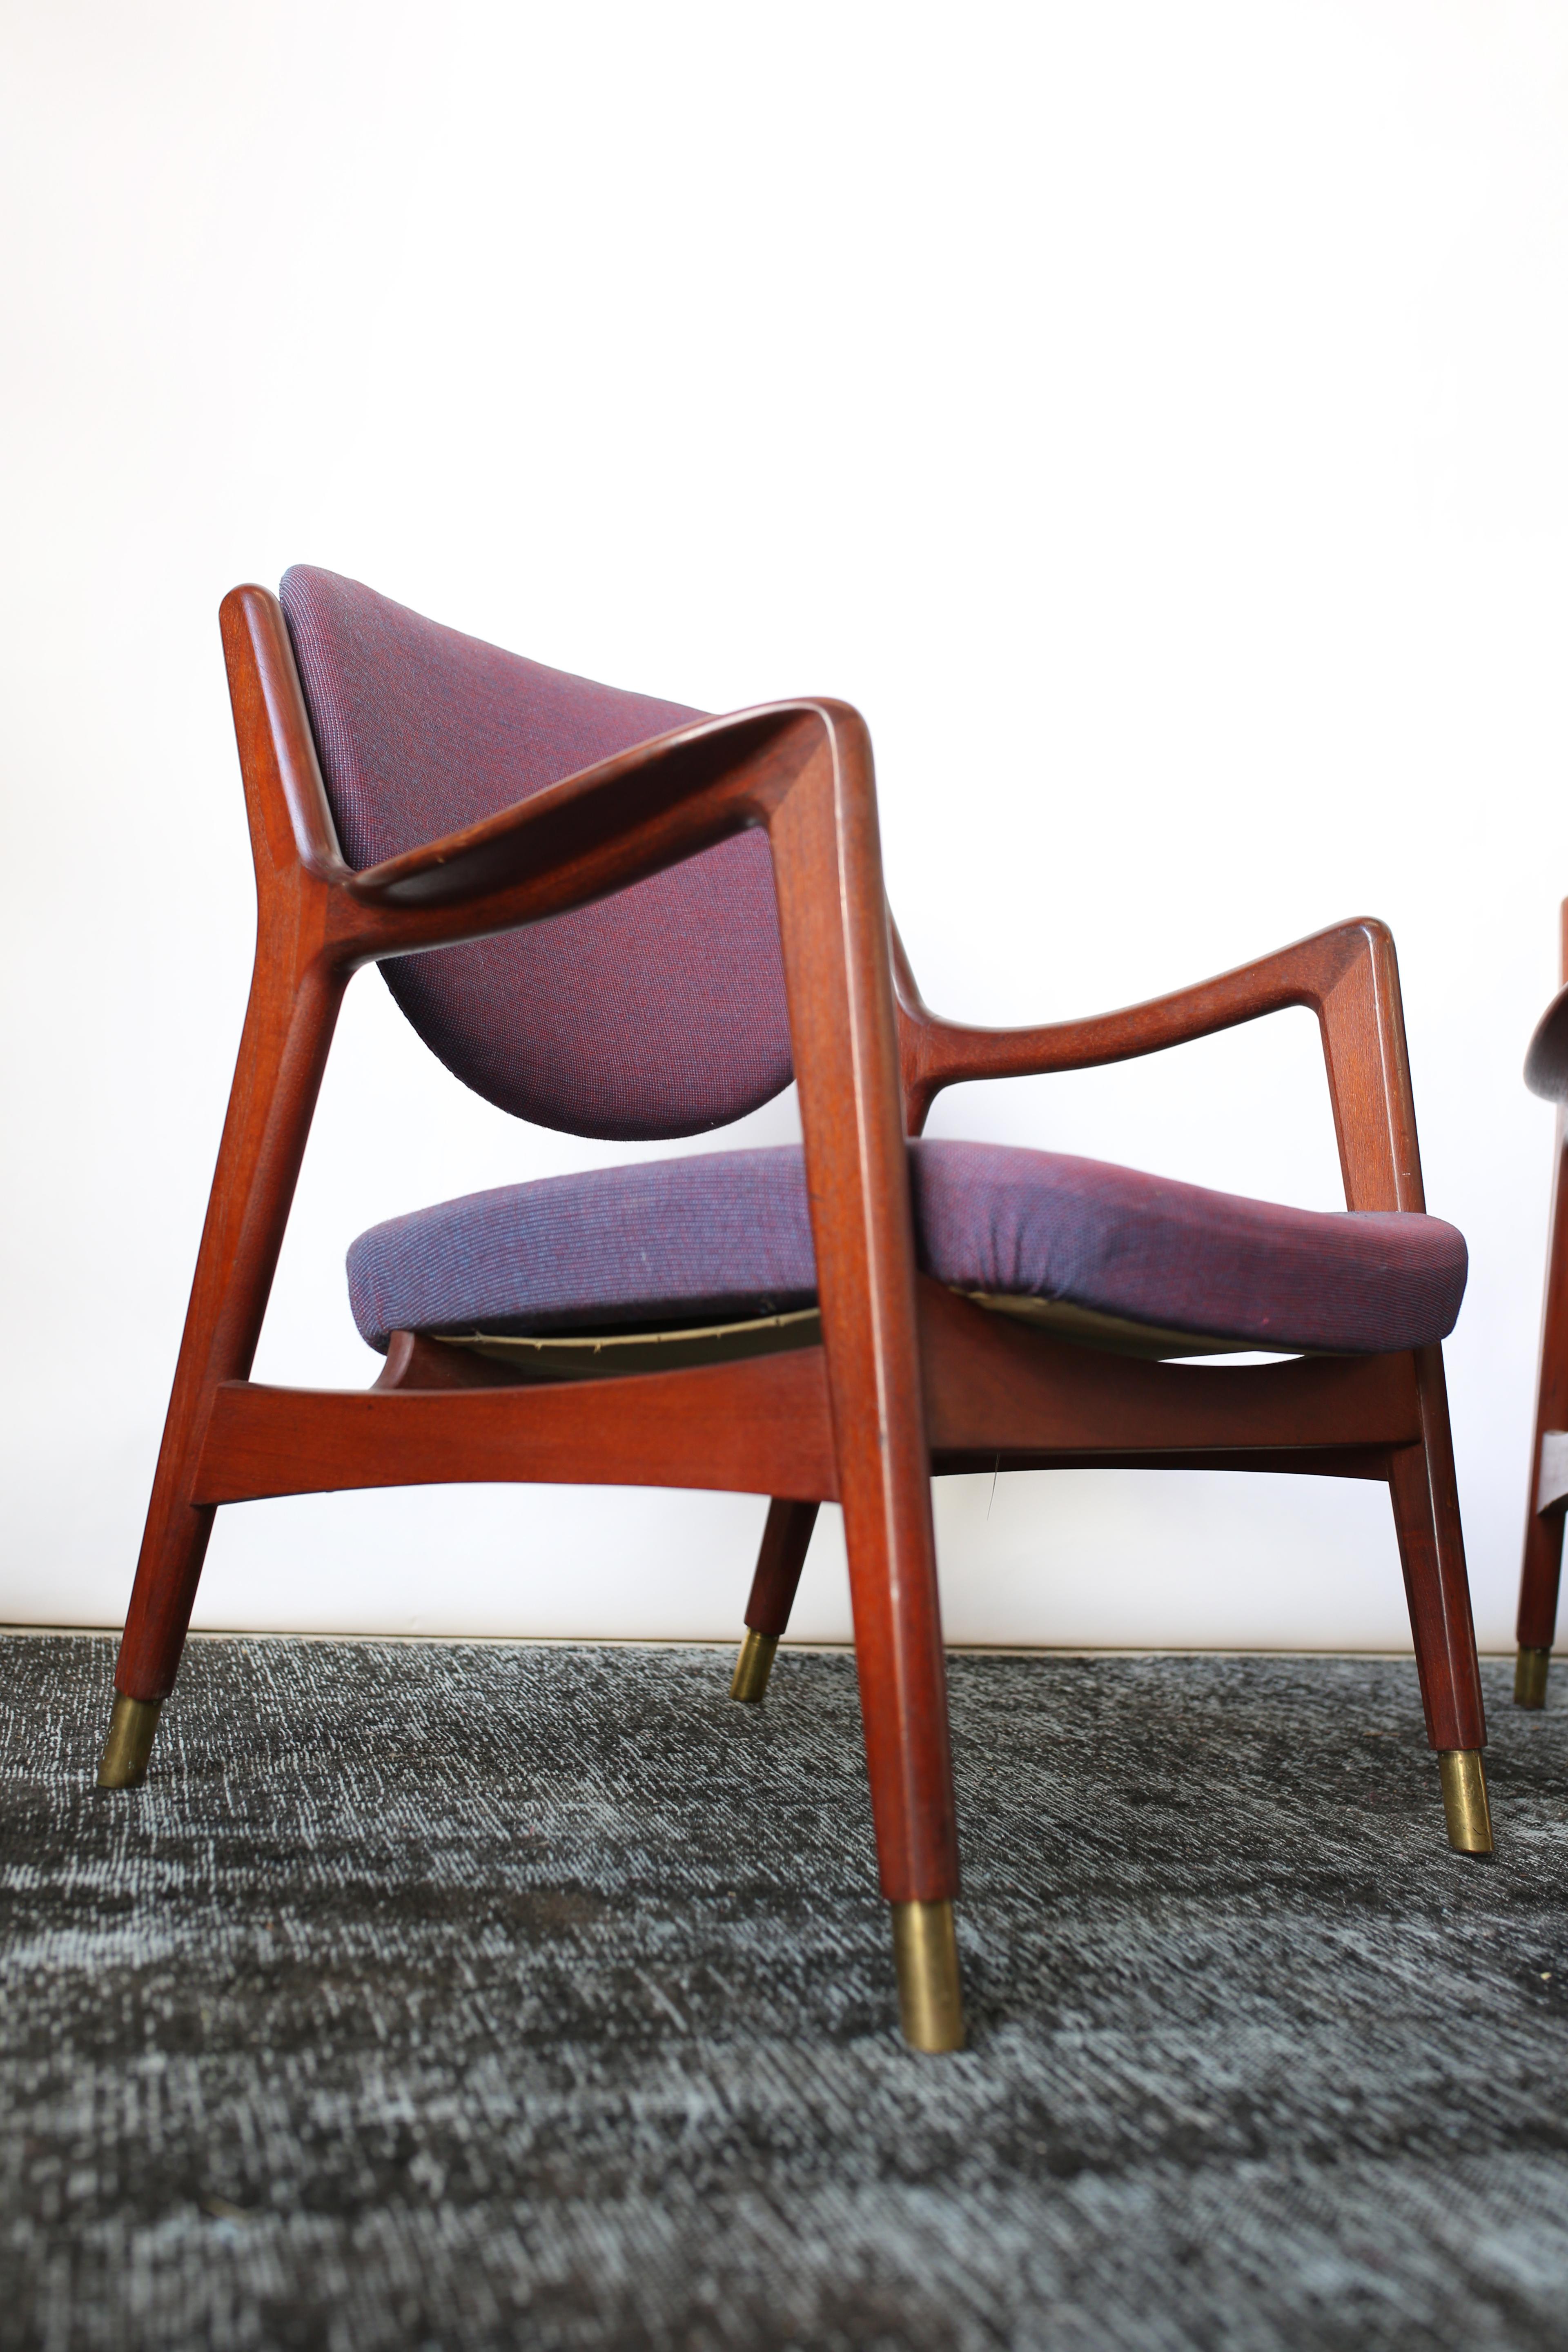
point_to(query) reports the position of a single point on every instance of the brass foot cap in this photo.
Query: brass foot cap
(931, 1993)
(1465, 1800)
(754, 1666)
(129, 1741)
(1529, 1670)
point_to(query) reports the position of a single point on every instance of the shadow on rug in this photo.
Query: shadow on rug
(481, 1995)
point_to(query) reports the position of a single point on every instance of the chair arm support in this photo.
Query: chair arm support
(587, 836)
(580, 839)
(1347, 975)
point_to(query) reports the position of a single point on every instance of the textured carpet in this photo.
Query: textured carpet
(492, 1995)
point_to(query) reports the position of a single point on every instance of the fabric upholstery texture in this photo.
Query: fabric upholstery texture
(728, 1233)
(658, 1012)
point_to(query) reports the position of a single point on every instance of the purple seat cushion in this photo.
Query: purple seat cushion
(727, 1235)
(659, 1011)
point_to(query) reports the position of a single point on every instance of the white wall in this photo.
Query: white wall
(1152, 416)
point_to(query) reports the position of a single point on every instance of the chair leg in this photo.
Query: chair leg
(833, 928)
(173, 1548)
(785, 1539)
(1542, 1568)
(282, 1053)
(1432, 1554)
(1538, 1587)
(903, 1706)
(925, 1945)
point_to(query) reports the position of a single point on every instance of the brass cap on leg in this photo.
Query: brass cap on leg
(930, 1991)
(1529, 1671)
(129, 1741)
(754, 1666)
(1465, 1800)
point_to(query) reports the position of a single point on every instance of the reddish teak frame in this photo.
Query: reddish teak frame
(908, 1379)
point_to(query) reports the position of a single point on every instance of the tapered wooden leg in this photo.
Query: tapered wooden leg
(287, 1034)
(903, 1705)
(786, 1539)
(1432, 1554)
(1542, 1568)
(833, 926)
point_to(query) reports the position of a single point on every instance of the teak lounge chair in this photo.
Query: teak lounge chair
(1546, 1073)
(663, 917)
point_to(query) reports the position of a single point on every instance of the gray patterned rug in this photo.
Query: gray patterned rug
(484, 1995)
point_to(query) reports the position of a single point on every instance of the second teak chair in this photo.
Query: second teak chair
(625, 918)
(1546, 1074)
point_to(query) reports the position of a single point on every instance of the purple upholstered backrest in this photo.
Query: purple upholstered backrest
(659, 1011)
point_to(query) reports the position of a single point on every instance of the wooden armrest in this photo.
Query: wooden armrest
(584, 838)
(1348, 976)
